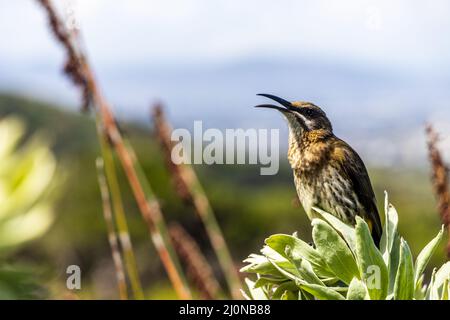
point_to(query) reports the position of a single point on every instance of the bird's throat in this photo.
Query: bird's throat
(308, 149)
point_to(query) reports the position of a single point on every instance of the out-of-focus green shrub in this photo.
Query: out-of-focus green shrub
(27, 169)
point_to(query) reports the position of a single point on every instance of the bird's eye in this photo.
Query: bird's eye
(309, 112)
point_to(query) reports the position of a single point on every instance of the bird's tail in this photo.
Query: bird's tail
(377, 230)
(376, 236)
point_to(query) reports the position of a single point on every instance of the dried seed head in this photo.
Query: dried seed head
(73, 66)
(439, 178)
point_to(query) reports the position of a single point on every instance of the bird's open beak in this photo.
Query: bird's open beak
(286, 104)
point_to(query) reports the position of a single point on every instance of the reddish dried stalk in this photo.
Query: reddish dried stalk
(189, 189)
(198, 268)
(72, 66)
(112, 235)
(82, 75)
(180, 176)
(439, 178)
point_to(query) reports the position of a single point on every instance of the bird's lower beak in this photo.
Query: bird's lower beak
(286, 104)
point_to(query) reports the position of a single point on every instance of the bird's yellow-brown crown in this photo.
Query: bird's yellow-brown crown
(302, 104)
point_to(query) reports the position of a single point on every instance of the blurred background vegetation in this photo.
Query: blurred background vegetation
(249, 207)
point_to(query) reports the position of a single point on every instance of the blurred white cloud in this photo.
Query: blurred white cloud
(404, 34)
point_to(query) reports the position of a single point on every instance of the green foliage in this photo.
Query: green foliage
(370, 262)
(26, 172)
(18, 282)
(344, 263)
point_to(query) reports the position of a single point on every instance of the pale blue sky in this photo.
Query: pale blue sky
(379, 68)
(400, 34)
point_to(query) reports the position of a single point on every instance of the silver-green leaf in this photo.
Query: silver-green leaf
(404, 282)
(371, 264)
(424, 256)
(357, 290)
(347, 232)
(335, 251)
(299, 250)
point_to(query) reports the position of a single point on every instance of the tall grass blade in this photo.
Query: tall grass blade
(112, 235)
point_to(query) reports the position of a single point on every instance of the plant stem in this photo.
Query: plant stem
(112, 236)
(120, 217)
(198, 269)
(440, 179)
(81, 74)
(189, 187)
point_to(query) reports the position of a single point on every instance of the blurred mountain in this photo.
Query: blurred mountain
(370, 107)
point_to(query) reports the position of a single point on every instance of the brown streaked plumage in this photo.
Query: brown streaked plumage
(328, 173)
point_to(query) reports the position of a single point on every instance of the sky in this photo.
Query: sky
(400, 34)
(379, 68)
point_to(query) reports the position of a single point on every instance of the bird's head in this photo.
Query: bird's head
(302, 116)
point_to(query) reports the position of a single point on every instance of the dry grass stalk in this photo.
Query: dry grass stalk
(439, 178)
(189, 188)
(180, 174)
(150, 212)
(198, 268)
(112, 236)
(72, 66)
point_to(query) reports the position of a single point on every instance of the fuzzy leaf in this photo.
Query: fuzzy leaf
(25, 227)
(357, 290)
(280, 262)
(268, 281)
(347, 232)
(420, 289)
(371, 264)
(394, 260)
(424, 256)
(389, 230)
(304, 295)
(307, 273)
(441, 276)
(284, 287)
(404, 282)
(259, 264)
(432, 292)
(321, 292)
(334, 251)
(288, 273)
(299, 250)
(255, 293)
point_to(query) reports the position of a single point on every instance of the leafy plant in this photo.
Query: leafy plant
(344, 263)
(19, 282)
(26, 172)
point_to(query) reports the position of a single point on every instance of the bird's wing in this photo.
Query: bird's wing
(353, 167)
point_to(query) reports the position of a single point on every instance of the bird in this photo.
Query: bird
(328, 173)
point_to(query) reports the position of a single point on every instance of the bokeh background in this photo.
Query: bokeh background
(378, 68)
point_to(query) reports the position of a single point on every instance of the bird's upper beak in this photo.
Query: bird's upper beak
(287, 106)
